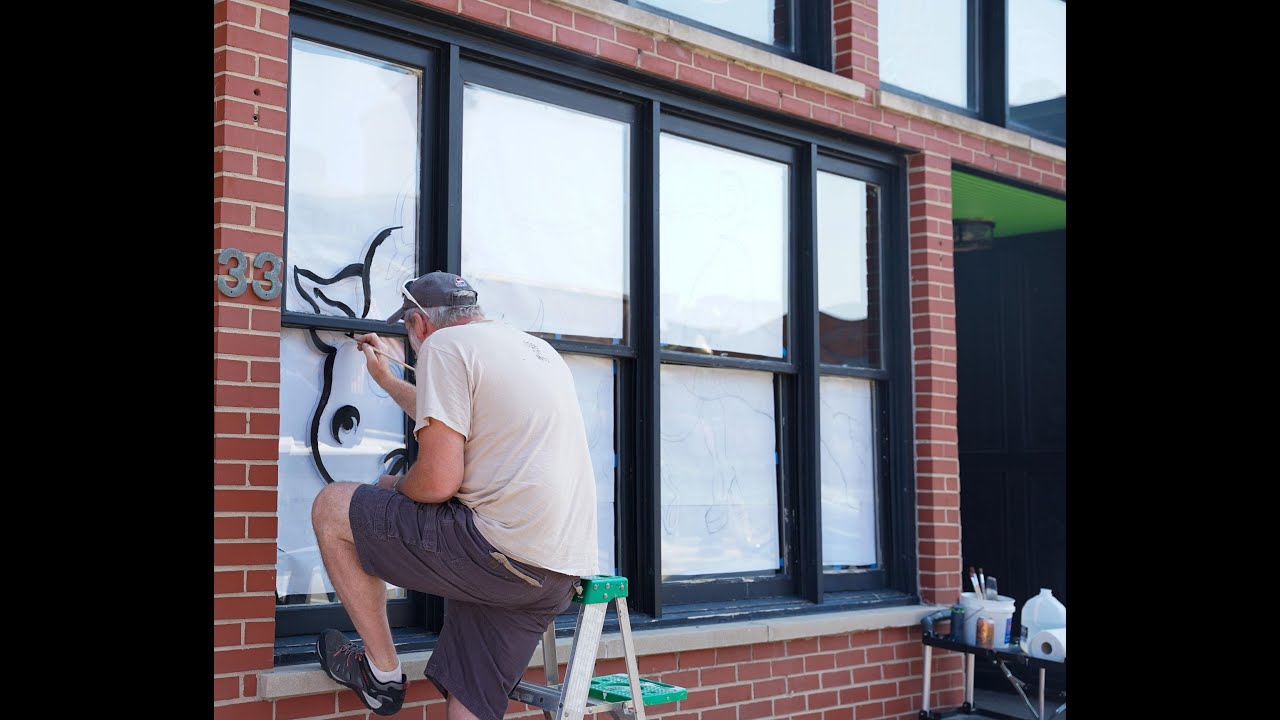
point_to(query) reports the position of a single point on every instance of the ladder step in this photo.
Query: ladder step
(616, 687)
(602, 589)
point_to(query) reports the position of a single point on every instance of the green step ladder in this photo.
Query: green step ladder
(581, 694)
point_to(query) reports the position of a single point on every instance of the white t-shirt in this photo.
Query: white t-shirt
(527, 473)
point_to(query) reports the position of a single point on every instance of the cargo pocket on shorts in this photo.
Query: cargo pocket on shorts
(413, 524)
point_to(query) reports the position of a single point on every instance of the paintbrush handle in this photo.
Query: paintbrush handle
(390, 357)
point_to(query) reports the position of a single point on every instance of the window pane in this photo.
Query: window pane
(924, 48)
(719, 472)
(848, 473)
(594, 378)
(761, 20)
(545, 214)
(353, 182)
(723, 253)
(848, 271)
(1038, 65)
(336, 423)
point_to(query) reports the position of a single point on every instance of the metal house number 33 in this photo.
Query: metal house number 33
(243, 281)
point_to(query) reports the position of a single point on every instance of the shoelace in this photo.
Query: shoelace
(348, 652)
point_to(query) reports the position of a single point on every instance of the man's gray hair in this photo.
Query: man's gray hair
(443, 316)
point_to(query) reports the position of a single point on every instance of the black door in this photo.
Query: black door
(1011, 405)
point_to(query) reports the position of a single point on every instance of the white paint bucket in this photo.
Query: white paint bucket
(998, 611)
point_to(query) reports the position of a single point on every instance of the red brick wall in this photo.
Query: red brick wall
(250, 54)
(872, 674)
(862, 675)
(856, 46)
(933, 341)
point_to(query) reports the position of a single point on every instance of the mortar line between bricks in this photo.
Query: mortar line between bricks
(253, 204)
(244, 331)
(234, 304)
(249, 229)
(260, 6)
(258, 154)
(259, 105)
(247, 151)
(237, 356)
(255, 646)
(244, 462)
(255, 178)
(233, 123)
(254, 28)
(248, 436)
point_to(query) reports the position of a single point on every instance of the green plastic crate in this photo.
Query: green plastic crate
(616, 688)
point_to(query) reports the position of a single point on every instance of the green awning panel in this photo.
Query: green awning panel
(1015, 210)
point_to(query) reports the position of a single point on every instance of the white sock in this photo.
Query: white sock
(386, 675)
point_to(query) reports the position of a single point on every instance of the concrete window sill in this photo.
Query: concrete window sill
(309, 679)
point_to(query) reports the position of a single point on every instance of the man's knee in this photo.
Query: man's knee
(333, 502)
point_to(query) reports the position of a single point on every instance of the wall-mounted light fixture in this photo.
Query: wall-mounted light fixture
(972, 233)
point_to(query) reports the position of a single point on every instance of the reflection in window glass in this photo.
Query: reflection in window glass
(761, 20)
(1038, 65)
(719, 472)
(353, 182)
(848, 473)
(336, 424)
(594, 379)
(848, 271)
(924, 48)
(544, 214)
(723, 255)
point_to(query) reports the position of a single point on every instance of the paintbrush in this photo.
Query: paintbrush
(386, 355)
(982, 578)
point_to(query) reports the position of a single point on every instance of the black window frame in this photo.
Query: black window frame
(783, 369)
(496, 76)
(882, 374)
(987, 31)
(297, 625)
(467, 49)
(809, 24)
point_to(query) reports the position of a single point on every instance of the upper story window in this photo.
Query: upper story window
(1038, 67)
(1001, 61)
(795, 29)
(925, 48)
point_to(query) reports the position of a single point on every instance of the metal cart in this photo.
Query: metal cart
(999, 656)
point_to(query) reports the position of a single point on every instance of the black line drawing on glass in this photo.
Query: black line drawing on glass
(344, 424)
(847, 433)
(727, 501)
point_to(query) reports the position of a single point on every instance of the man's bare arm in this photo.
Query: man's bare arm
(401, 391)
(437, 474)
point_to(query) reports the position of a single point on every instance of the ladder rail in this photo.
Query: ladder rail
(629, 652)
(582, 661)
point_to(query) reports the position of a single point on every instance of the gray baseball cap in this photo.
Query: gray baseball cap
(435, 289)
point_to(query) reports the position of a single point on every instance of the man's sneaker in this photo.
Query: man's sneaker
(346, 663)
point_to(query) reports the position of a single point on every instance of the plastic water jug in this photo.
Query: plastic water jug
(1042, 612)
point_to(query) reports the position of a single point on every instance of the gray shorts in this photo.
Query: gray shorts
(498, 608)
